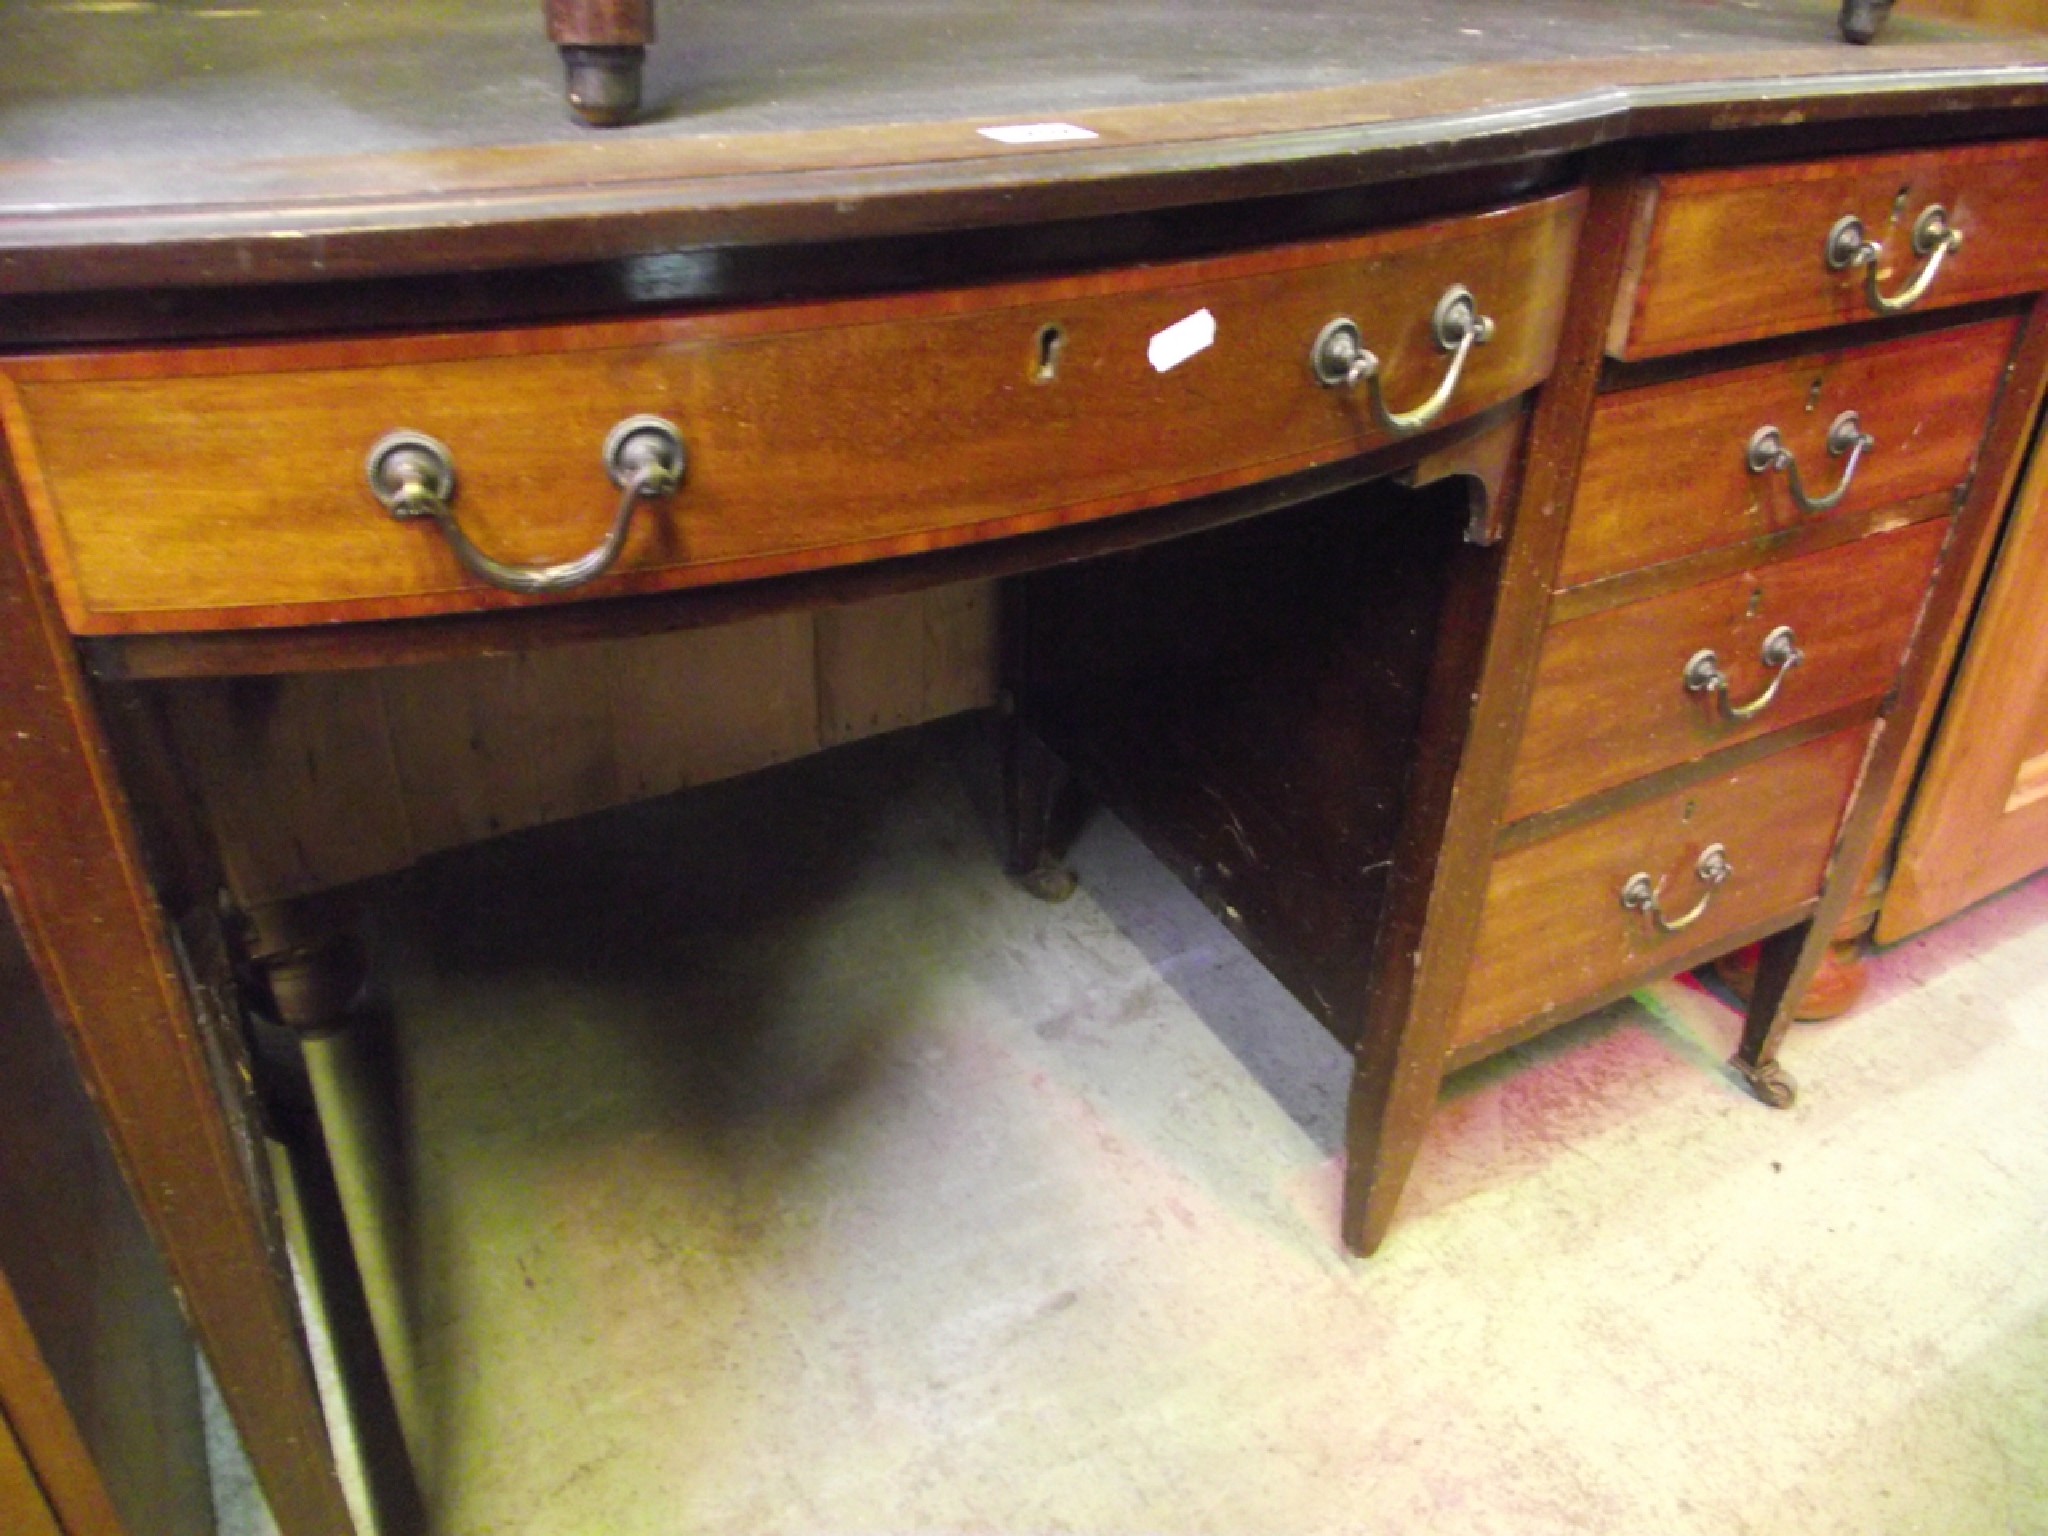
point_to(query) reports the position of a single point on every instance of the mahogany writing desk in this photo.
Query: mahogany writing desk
(1706, 343)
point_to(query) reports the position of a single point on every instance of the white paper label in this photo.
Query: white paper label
(1038, 133)
(1182, 340)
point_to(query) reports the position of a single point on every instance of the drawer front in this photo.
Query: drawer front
(1667, 469)
(1554, 931)
(1731, 255)
(1612, 701)
(225, 488)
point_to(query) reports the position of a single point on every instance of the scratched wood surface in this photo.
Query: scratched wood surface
(313, 142)
(1249, 702)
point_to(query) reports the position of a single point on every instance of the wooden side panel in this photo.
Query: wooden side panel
(898, 661)
(2029, 783)
(315, 781)
(959, 647)
(870, 672)
(1611, 702)
(1984, 508)
(298, 780)
(486, 747)
(1979, 819)
(1667, 473)
(705, 704)
(1553, 928)
(818, 434)
(1734, 255)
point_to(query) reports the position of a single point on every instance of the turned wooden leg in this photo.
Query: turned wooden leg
(603, 44)
(304, 961)
(1836, 988)
(304, 973)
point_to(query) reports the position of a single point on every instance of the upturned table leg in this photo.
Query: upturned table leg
(1862, 20)
(603, 44)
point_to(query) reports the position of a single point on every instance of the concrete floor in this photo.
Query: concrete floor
(772, 1165)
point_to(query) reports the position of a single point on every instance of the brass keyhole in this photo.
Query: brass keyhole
(1052, 341)
(1756, 602)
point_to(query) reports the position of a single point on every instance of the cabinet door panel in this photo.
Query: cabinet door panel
(1979, 821)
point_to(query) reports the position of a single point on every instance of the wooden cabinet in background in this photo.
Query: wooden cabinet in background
(1979, 819)
(99, 1394)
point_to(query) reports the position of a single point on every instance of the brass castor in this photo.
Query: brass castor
(1768, 1082)
(1048, 879)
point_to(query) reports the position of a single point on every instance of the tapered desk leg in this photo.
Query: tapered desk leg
(1479, 689)
(604, 51)
(1770, 1011)
(164, 1072)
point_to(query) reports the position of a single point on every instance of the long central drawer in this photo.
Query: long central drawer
(222, 488)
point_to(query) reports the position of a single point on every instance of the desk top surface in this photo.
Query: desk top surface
(214, 141)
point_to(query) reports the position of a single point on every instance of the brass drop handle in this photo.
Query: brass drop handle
(1767, 452)
(1642, 894)
(1849, 246)
(1781, 653)
(1341, 361)
(413, 475)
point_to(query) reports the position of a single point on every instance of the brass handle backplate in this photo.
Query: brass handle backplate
(1781, 653)
(1849, 247)
(1642, 894)
(1341, 360)
(1767, 452)
(413, 475)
